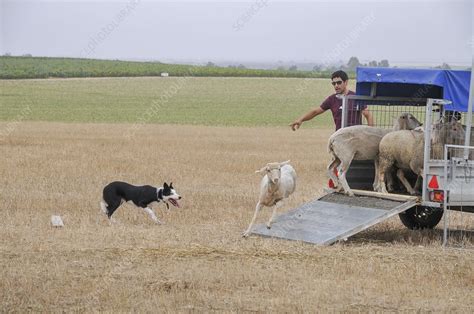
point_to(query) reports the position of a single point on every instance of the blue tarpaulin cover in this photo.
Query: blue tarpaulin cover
(418, 83)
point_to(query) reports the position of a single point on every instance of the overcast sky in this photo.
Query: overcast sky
(259, 30)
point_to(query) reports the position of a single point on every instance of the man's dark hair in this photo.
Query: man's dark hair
(341, 74)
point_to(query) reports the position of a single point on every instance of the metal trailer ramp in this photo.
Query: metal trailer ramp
(336, 216)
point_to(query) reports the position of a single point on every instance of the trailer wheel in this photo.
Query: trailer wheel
(421, 217)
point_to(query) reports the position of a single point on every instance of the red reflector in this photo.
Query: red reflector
(331, 184)
(437, 196)
(433, 183)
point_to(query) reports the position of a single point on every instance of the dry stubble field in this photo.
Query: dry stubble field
(197, 260)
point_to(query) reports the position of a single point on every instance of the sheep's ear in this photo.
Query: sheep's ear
(263, 170)
(284, 163)
(419, 129)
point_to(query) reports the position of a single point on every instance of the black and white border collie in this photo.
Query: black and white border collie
(117, 192)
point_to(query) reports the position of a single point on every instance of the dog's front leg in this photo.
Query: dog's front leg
(152, 215)
(249, 229)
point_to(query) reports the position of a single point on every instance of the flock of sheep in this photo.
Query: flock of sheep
(401, 147)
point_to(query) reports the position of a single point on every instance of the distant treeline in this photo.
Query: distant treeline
(26, 67)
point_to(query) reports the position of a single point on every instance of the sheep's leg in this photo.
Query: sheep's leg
(376, 177)
(275, 207)
(418, 182)
(246, 233)
(342, 176)
(331, 173)
(420, 178)
(381, 185)
(389, 179)
(405, 182)
(384, 165)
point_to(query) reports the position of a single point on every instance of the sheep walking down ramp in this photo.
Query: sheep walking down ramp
(277, 184)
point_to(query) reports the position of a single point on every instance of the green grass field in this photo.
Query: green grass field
(42, 67)
(185, 100)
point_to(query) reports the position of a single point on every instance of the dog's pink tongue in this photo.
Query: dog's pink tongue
(175, 203)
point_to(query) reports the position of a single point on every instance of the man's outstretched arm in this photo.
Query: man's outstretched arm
(308, 116)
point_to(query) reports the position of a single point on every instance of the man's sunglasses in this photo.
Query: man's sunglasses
(336, 83)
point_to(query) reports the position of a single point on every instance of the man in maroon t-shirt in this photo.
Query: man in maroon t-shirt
(339, 81)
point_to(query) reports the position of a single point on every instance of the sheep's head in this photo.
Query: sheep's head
(450, 132)
(407, 121)
(273, 171)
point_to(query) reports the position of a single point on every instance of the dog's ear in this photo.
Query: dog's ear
(171, 185)
(165, 186)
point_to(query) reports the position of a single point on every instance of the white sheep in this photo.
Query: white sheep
(446, 132)
(360, 142)
(278, 182)
(405, 149)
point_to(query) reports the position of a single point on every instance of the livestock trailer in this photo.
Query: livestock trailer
(431, 96)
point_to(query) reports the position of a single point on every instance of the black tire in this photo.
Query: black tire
(421, 217)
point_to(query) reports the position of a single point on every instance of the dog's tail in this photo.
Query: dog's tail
(103, 207)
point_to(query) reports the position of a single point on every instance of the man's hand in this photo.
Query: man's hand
(295, 125)
(308, 116)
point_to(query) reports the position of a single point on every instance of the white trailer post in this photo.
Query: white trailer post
(467, 141)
